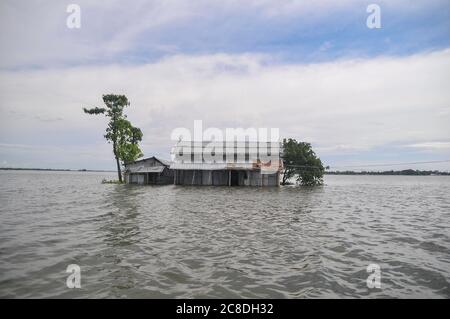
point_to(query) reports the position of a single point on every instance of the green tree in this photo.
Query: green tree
(123, 136)
(129, 137)
(300, 161)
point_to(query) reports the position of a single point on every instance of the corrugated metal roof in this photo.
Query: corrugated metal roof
(143, 169)
(227, 143)
(269, 170)
(249, 151)
(164, 162)
(211, 166)
(266, 168)
(198, 166)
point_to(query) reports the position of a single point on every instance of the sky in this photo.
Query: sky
(362, 97)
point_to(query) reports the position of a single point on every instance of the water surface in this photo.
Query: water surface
(225, 242)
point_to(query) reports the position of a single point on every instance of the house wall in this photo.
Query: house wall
(163, 178)
(135, 178)
(221, 178)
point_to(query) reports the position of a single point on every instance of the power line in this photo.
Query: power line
(366, 165)
(392, 164)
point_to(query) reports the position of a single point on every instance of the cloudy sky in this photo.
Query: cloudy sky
(313, 69)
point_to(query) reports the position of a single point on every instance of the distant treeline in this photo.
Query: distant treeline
(51, 169)
(391, 172)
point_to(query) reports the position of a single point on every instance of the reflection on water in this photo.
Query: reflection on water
(174, 241)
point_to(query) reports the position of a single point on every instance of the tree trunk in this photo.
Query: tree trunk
(119, 172)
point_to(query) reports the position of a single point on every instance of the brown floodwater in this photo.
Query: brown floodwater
(223, 242)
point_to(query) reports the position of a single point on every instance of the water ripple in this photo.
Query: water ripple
(215, 242)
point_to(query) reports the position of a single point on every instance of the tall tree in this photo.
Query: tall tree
(300, 161)
(129, 137)
(123, 136)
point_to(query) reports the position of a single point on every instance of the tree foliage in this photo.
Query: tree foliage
(300, 162)
(129, 137)
(123, 136)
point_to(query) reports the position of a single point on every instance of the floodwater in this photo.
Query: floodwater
(223, 242)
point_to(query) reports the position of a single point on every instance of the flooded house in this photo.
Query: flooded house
(227, 163)
(150, 170)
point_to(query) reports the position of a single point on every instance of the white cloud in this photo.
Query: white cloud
(34, 33)
(341, 106)
(431, 145)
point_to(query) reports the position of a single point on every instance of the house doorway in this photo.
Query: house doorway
(152, 178)
(234, 181)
